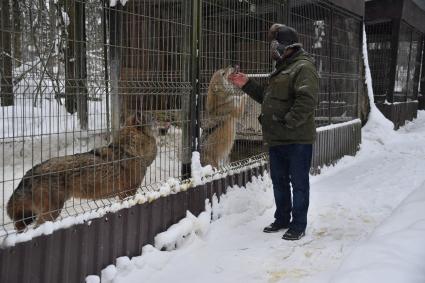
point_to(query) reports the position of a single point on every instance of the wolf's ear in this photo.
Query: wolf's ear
(138, 120)
(148, 118)
(134, 119)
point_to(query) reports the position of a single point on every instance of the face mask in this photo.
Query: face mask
(276, 50)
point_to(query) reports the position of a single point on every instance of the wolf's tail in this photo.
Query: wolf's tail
(19, 208)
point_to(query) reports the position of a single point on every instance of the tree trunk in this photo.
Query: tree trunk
(75, 62)
(53, 31)
(6, 86)
(81, 56)
(17, 32)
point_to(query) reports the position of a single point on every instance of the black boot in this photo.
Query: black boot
(274, 227)
(293, 235)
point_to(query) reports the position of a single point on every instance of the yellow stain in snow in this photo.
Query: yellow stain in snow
(296, 273)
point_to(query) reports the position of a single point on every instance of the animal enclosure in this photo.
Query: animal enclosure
(333, 36)
(104, 99)
(395, 41)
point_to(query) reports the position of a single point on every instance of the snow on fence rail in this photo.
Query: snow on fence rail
(92, 244)
(94, 240)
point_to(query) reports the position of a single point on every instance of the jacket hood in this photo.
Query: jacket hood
(300, 54)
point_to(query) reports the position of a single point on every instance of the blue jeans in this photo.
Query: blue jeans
(290, 165)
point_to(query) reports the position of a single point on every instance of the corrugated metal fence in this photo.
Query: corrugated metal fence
(399, 112)
(70, 254)
(333, 143)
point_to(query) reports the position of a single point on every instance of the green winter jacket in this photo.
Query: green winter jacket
(288, 101)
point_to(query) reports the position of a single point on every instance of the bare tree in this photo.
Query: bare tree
(17, 30)
(75, 61)
(6, 85)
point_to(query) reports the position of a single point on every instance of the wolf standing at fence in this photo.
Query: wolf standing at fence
(287, 102)
(225, 105)
(109, 171)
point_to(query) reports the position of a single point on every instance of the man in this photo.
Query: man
(287, 103)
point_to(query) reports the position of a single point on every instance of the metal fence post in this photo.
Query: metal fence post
(361, 73)
(196, 93)
(394, 55)
(106, 64)
(406, 93)
(288, 13)
(331, 27)
(422, 73)
(189, 108)
(115, 22)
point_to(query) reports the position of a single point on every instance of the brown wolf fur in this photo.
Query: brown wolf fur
(225, 104)
(114, 170)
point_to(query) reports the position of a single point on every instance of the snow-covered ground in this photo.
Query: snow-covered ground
(366, 224)
(26, 121)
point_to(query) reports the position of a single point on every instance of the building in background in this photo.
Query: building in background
(395, 37)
